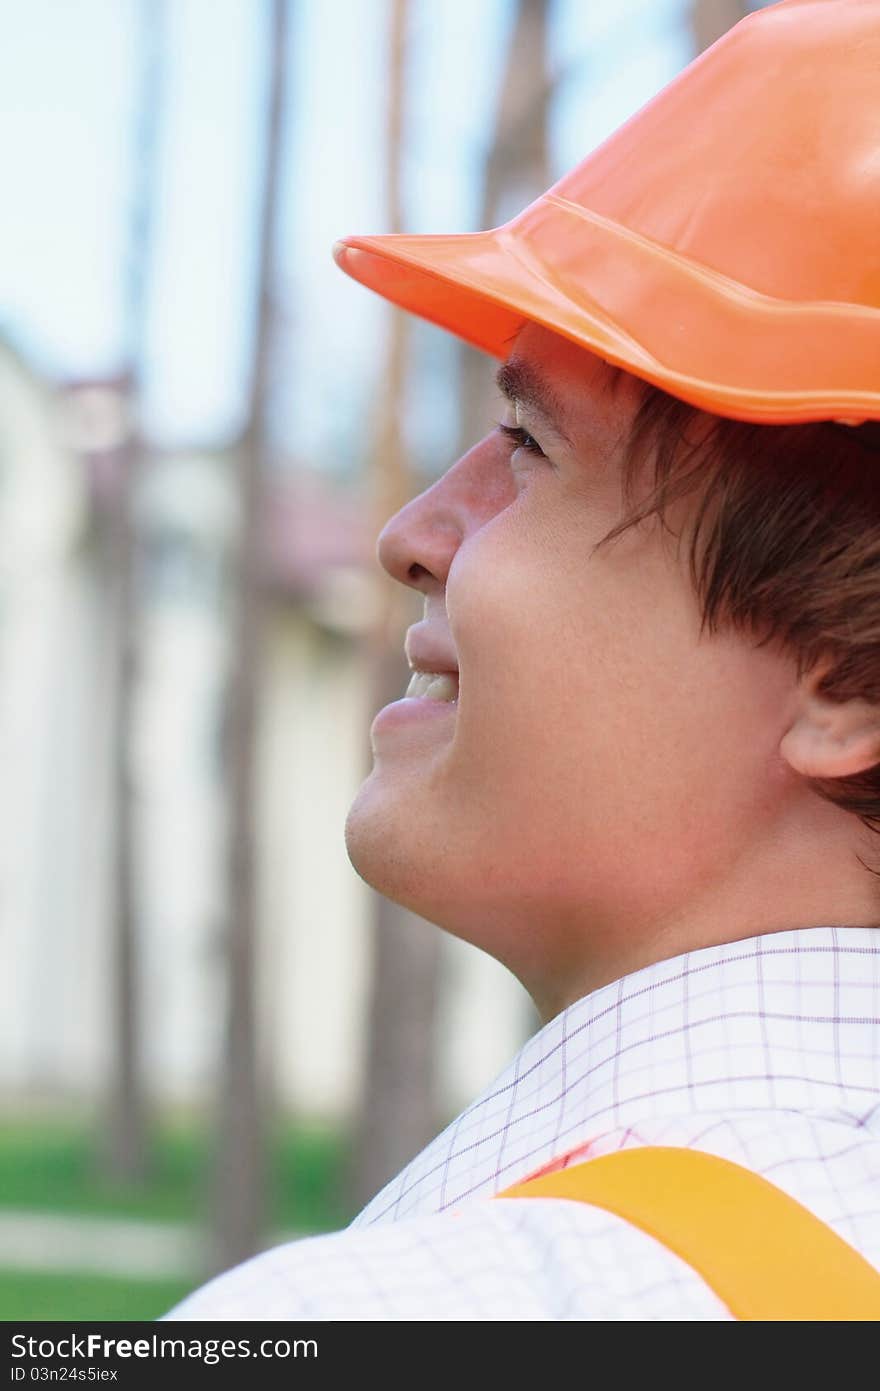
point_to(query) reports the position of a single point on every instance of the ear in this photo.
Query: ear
(831, 739)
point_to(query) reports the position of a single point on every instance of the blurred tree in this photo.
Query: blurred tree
(517, 171)
(712, 18)
(125, 1147)
(240, 1157)
(397, 1114)
(399, 1110)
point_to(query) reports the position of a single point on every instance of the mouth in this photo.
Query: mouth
(433, 685)
(429, 703)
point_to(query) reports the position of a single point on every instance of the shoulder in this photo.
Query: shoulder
(541, 1259)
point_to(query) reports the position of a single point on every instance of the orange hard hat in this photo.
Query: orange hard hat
(723, 244)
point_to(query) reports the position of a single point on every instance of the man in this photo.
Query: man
(639, 761)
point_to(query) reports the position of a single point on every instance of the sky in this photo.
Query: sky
(68, 75)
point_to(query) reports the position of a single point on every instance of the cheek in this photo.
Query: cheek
(547, 688)
(590, 707)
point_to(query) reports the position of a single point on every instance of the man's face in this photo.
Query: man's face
(603, 766)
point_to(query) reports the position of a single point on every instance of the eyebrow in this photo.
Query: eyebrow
(519, 381)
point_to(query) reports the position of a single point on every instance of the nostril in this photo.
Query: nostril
(416, 571)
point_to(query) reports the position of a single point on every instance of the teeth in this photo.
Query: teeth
(433, 685)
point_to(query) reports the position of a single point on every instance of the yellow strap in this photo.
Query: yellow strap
(764, 1254)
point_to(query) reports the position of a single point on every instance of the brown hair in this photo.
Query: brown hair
(784, 545)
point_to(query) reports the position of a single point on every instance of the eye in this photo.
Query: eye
(521, 439)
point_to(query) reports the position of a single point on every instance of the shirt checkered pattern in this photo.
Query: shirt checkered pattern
(764, 1051)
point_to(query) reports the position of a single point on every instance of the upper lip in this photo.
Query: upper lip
(427, 651)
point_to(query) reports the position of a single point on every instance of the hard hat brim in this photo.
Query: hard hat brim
(677, 323)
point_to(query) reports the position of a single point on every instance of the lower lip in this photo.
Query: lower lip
(411, 710)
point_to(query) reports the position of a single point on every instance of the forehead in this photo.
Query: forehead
(587, 395)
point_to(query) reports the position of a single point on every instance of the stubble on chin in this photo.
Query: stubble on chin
(392, 851)
(374, 843)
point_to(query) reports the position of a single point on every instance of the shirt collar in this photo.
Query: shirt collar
(784, 1021)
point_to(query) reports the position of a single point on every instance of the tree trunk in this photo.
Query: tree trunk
(125, 1148)
(398, 1108)
(240, 1177)
(517, 171)
(712, 18)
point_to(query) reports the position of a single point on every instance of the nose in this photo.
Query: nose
(418, 544)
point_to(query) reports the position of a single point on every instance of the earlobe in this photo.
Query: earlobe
(832, 739)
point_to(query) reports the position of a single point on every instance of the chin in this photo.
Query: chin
(359, 835)
(394, 852)
(373, 841)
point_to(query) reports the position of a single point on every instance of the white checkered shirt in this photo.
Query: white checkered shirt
(764, 1051)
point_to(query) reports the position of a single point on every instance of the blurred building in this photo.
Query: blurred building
(60, 454)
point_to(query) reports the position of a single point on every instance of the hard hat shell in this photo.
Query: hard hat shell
(724, 243)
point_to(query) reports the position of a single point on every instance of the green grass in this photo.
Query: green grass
(25, 1295)
(52, 1165)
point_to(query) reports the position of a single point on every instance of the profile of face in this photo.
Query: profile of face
(608, 787)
